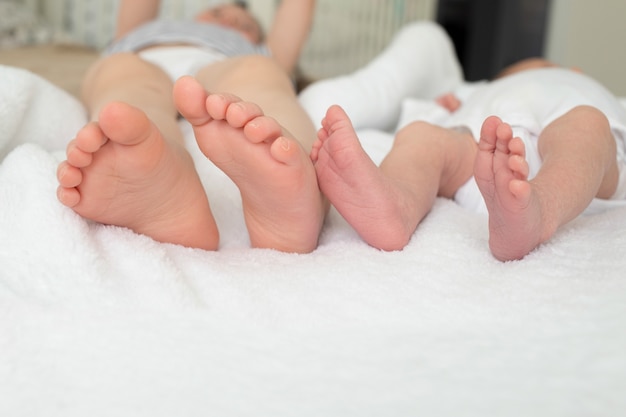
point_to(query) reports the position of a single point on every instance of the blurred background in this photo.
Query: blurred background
(488, 34)
(491, 34)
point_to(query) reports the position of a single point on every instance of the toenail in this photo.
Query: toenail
(284, 143)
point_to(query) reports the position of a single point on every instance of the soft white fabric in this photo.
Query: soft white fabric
(35, 111)
(97, 320)
(419, 62)
(178, 61)
(517, 99)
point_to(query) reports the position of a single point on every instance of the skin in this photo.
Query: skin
(129, 167)
(385, 204)
(233, 17)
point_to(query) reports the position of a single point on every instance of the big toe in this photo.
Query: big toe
(124, 124)
(190, 100)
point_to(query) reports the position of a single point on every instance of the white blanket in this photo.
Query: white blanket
(99, 321)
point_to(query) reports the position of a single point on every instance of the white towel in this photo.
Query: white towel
(33, 110)
(97, 320)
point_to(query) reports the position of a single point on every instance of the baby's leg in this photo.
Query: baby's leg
(419, 62)
(282, 205)
(385, 205)
(121, 171)
(578, 154)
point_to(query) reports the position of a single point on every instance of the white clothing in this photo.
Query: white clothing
(177, 61)
(529, 101)
(184, 47)
(172, 32)
(419, 62)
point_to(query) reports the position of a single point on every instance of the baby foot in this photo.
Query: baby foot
(121, 171)
(501, 172)
(282, 203)
(371, 202)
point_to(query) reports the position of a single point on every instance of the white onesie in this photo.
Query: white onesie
(529, 101)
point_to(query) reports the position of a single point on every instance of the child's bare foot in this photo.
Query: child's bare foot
(375, 206)
(282, 203)
(516, 224)
(120, 171)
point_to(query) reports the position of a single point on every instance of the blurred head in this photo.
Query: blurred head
(527, 64)
(234, 16)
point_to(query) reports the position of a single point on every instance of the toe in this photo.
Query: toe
(519, 166)
(217, 104)
(286, 150)
(69, 176)
(504, 131)
(89, 139)
(190, 100)
(262, 128)
(488, 132)
(77, 157)
(241, 112)
(69, 197)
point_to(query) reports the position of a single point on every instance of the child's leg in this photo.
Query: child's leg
(579, 163)
(127, 78)
(260, 80)
(128, 167)
(254, 145)
(386, 204)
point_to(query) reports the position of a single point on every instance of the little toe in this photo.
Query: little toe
(286, 150)
(521, 190)
(315, 149)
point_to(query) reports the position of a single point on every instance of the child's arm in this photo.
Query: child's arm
(134, 13)
(289, 31)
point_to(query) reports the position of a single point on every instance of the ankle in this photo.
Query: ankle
(459, 163)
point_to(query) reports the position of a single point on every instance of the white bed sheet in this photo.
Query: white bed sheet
(97, 320)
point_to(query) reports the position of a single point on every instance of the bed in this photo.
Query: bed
(97, 320)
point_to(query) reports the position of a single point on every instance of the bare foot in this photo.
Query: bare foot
(515, 211)
(378, 208)
(120, 171)
(282, 203)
